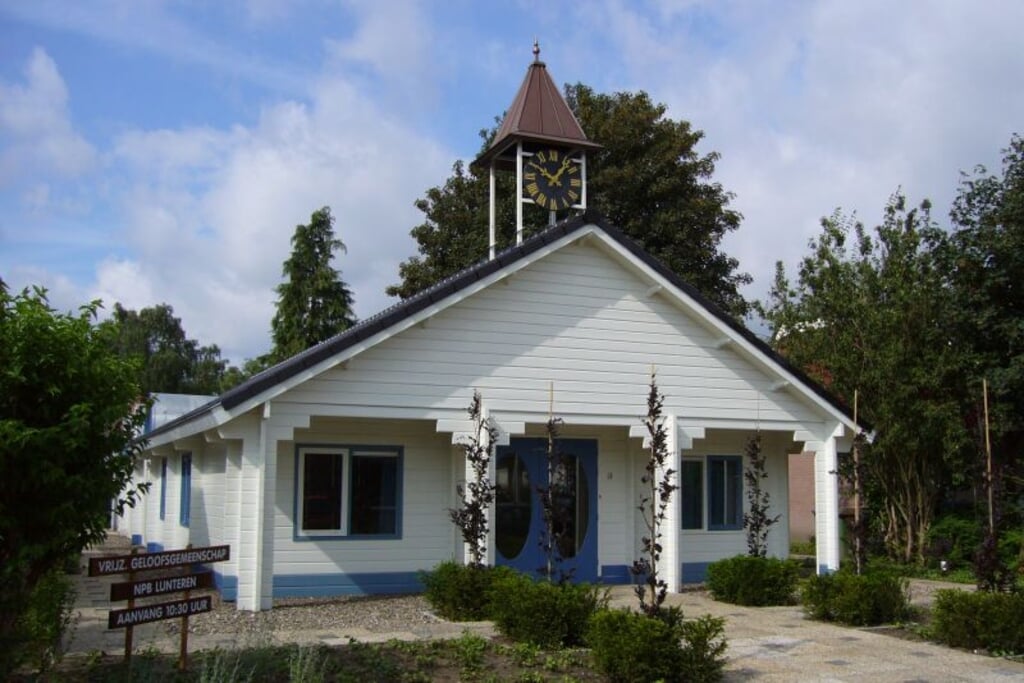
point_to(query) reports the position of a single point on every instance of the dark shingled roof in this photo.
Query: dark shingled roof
(442, 290)
(538, 114)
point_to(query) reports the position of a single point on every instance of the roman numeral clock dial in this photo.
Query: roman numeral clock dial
(552, 180)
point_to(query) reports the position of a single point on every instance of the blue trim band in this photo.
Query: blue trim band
(370, 583)
(823, 569)
(227, 585)
(615, 574)
(695, 572)
(153, 547)
(136, 539)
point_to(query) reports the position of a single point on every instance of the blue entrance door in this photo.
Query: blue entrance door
(522, 468)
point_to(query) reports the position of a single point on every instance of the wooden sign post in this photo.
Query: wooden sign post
(185, 583)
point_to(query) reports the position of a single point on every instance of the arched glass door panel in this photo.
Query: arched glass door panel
(513, 506)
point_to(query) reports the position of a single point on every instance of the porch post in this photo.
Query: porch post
(670, 568)
(249, 430)
(826, 502)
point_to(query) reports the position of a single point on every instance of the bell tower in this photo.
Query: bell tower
(542, 142)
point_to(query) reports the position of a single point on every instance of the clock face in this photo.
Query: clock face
(551, 178)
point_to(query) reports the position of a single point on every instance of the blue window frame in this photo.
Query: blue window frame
(348, 492)
(725, 492)
(691, 494)
(163, 488)
(186, 489)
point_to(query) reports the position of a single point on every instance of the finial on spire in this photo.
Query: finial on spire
(536, 50)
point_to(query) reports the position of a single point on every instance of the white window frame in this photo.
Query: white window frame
(346, 453)
(300, 500)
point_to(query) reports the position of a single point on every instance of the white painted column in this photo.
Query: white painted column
(670, 569)
(519, 192)
(492, 216)
(231, 529)
(249, 551)
(826, 503)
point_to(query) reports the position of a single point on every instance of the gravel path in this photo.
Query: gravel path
(377, 614)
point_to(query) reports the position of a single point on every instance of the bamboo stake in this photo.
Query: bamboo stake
(856, 487)
(988, 460)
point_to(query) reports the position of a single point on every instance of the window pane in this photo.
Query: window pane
(691, 485)
(733, 493)
(321, 491)
(725, 492)
(374, 505)
(163, 487)
(716, 489)
(184, 515)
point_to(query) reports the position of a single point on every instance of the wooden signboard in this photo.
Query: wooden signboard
(122, 618)
(104, 566)
(177, 582)
(151, 587)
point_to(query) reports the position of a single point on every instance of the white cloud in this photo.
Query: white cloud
(155, 27)
(214, 250)
(35, 122)
(393, 40)
(814, 106)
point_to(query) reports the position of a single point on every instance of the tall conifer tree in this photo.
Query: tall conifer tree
(313, 303)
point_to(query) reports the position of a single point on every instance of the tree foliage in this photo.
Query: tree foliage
(985, 262)
(649, 180)
(313, 303)
(70, 409)
(870, 312)
(168, 361)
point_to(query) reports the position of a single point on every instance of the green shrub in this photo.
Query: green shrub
(542, 613)
(460, 592)
(992, 621)
(754, 581)
(632, 647)
(1011, 550)
(954, 538)
(866, 600)
(704, 648)
(39, 631)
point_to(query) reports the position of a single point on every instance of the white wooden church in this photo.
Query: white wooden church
(333, 472)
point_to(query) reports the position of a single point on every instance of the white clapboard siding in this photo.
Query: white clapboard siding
(425, 498)
(576, 318)
(207, 525)
(708, 546)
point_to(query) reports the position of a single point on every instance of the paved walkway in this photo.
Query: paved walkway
(765, 644)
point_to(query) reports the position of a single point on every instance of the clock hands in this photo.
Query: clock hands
(556, 178)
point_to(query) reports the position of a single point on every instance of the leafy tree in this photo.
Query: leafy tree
(654, 501)
(985, 262)
(871, 313)
(313, 303)
(168, 360)
(648, 180)
(70, 409)
(476, 495)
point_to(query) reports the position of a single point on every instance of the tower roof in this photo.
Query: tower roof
(538, 114)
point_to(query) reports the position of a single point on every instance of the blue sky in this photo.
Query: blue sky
(164, 151)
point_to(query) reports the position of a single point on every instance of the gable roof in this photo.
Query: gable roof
(538, 114)
(444, 290)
